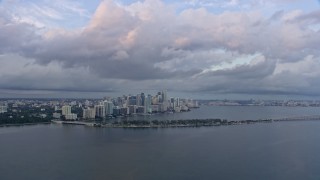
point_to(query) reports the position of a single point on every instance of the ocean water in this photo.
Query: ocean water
(278, 150)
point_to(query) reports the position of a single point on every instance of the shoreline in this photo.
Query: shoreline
(166, 123)
(23, 124)
(178, 123)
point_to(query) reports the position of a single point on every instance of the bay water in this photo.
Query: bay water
(278, 150)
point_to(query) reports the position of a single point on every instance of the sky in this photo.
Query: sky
(202, 49)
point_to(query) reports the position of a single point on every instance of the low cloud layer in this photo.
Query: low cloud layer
(158, 45)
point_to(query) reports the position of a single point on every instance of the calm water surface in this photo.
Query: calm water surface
(280, 150)
(236, 113)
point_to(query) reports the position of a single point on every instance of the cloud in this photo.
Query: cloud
(151, 45)
(47, 14)
(19, 73)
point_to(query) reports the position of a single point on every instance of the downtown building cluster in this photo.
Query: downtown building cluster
(129, 105)
(136, 104)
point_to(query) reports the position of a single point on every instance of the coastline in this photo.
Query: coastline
(168, 123)
(179, 123)
(24, 124)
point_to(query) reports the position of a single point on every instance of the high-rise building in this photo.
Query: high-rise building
(118, 101)
(155, 100)
(147, 104)
(110, 108)
(138, 100)
(89, 113)
(172, 103)
(100, 111)
(116, 111)
(177, 104)
(165, 100)
(132, 100)
(143, 98)
(66, 110)
(159, 97)
(105, 104)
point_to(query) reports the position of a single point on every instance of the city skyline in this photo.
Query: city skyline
(99, 109)
(235, 49)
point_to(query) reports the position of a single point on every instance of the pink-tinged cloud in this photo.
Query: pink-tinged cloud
(152, 45)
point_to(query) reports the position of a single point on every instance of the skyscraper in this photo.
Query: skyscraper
(138, 100)
(132, 100)
(147, 104)
(105, 104)
(177, 102)
(164, 100)
(110, 108)
(143, 97)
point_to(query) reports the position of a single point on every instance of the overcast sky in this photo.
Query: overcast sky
(211, 49)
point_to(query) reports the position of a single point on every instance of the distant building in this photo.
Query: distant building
(110, 108)
(43, 115)
(132, 100)
(177, 109)
(71, 116)
(184, 108)
(132, 109)
(165, 100)
(66, 110)
(89, 113)
(140, 110)
(100, 111)
(124, 111)
(147, 104)
(138, 100)
(3, 109)
(155, 108)
(87, 103)
(155, 100)
(177, 102)
(163, 107)
(143, 99)
(73, 103)
(56, 115)
(116, 111)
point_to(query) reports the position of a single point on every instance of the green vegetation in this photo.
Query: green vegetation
(24, 115)
(182, 123)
